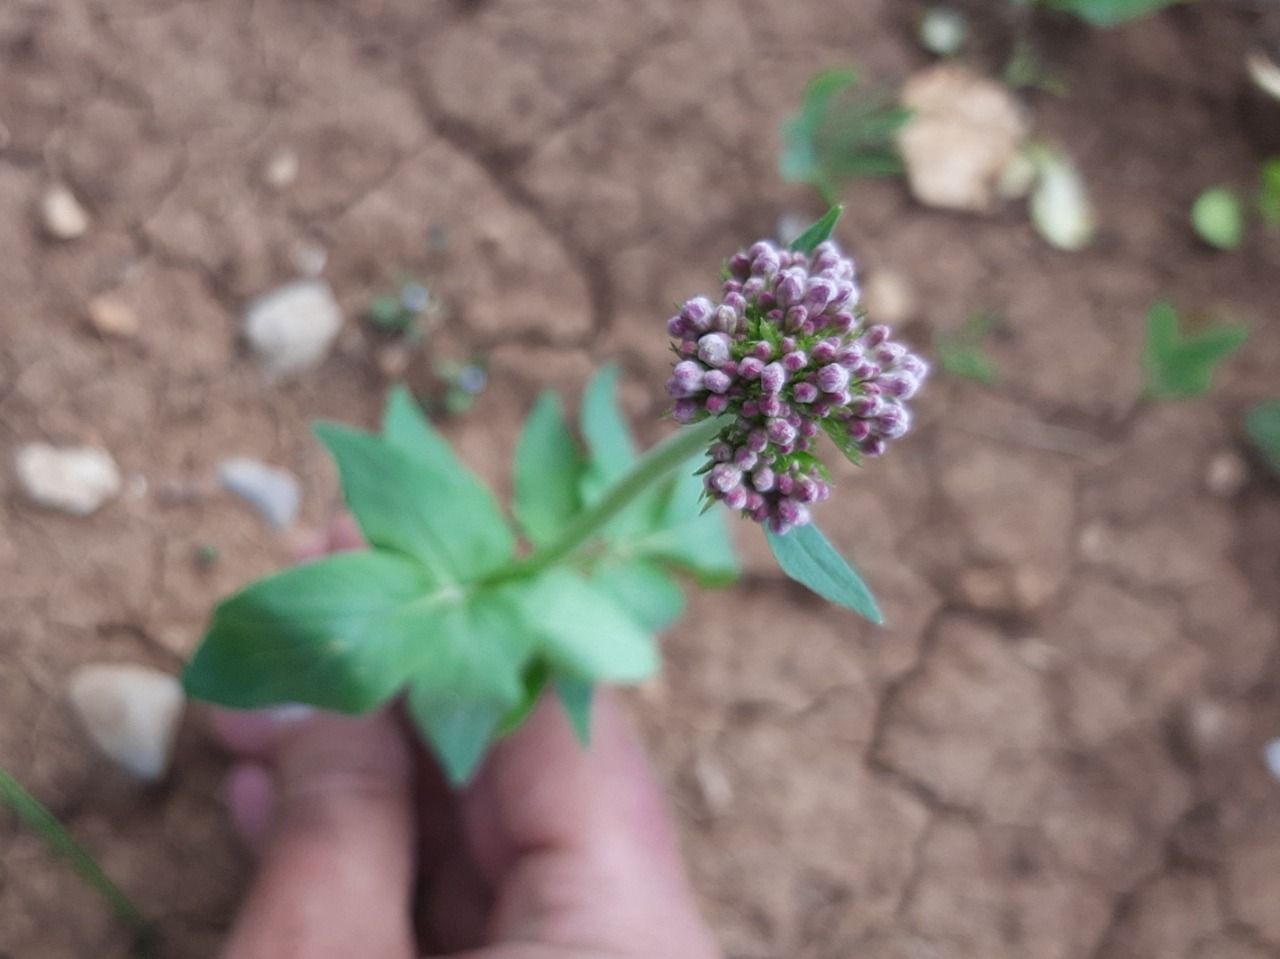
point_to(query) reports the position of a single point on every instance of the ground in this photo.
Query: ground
(1051, 751)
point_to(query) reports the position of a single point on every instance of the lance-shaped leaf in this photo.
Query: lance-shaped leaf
(426, 506)
(820, 232)
(805, 555)
(332, 633)
(1182, 365)
(548, 472)
(689, 537)
(576, 697)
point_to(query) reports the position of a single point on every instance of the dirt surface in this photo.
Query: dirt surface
(1051, 751)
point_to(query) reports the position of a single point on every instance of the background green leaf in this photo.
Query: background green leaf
(1263, 426)
(805, 555)
(1269, 193)
(548, 472)
(1218, 216)
(423, 504)
(576, 697)
(1109, 13)
(1178, 366)
(325, 633)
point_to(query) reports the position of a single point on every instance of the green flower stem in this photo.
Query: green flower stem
(652, 468)
(30, 811)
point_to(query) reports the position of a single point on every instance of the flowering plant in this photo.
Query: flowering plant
(446, 611)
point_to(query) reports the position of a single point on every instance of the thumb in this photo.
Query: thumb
(336, 872)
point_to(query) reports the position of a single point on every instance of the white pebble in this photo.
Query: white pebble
(888, 297)
(131, 714)
(1226, 475)
(62, 215)
(292, 328)
(111, 316)
(76, 479)
(281, 169)
(273, 492)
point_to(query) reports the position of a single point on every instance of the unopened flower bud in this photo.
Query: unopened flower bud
(717, 381)
(716, 404)
(770, 405)
(901, 385)
(805, 392)
(781, 433)
(773, 377)
(677, 328)
(873, 446)
(893, 422)
(842, 321)
(833, 378)
(750, 368)
(820, 292)
(736, 498)
(795, 361)
(713, 349)
(875, 335)
(758, 440)
(790, 288)
(723, 320)
(739, 265)
(763, 479)
(685, 410)
(745, 459)
(763, 351)
(858, 429)
(720, 452)
(795, 319)
(724, 477)
(825, 351)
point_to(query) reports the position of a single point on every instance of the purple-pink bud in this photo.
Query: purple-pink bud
(901, 385)
(755, 502)
(717, 381)
(736, 498)
(684, 410)
(758, 440)
(792, 513)
(740, 265)
(865, 406)
(745, 459)
(825, 351)
(752, 289)
(890, 353)
(781, 433)
(723, 320)
(716, 404)
(724, 477)
(821, 291)
(876, 335)
(720, 452)
(763, 479)
(677, 328)
(796, 318)
(773, 377)
(770, 405)
(696, 312)
(750, 409)
(833, 378)
(688, 376)
(808, 429)
(858, 430)
(790, 287)
(805, 392)
(893, 422)
(795, 361)
(750, 368)
(713, 349)
(843, 321)
(763, 351)
(735, 301)
(873, 446)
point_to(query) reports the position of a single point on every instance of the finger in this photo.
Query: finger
(337, 868)
(344, 534)
(250, 792)
(590, 854)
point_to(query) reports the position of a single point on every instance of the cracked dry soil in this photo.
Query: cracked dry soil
(1052, 750)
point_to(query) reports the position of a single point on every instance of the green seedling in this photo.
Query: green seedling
(403, 311)
(1109, 13)
(1218, 218)
(842, 133)
(32, 813)
(1180, 365)
(1263, 426)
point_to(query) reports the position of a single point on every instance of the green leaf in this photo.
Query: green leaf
(805, 555)
(1109, 13)
(1269, 193)
(1218, 216)
(414, 500)
(387, 313)
(548, 472)
(33, 813)
(469, 676)
(583, 632)
(640, 588)
(576, 697)
(327, 633)
(610, 444)
(537, 674)
(808, 241)
(1182, 366)
(1263, 426)
(693, 539)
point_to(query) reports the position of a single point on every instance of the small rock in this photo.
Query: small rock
(965, 132)
(273, 492)
(131, 714)
(111, 316)
(1226, 475)
(292, 328)
(1060, 208)
(310, 259)
(1204, 727)
(76, 479)
(280, 171)
(62, 215)
(888, 297)
(1271, 755)
(714, 785)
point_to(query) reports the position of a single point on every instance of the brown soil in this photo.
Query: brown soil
(1053, 749)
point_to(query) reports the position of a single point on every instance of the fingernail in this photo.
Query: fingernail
(290, 714)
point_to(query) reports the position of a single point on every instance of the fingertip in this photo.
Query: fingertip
(344, 534)
(252, 734)
(250, 797)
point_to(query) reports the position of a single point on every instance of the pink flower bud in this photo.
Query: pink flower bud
(805, 392)
(736, 498)
(716, 404)
(696, 312)
(717, 381)
(713, 349)
(750, 368)
(773, 377)
(833, 378)
(795, 361)
(724, 477)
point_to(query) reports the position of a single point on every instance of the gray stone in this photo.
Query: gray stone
(273, 492)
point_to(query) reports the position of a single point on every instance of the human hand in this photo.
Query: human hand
(553, 852)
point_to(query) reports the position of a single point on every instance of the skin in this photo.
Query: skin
(553, 852)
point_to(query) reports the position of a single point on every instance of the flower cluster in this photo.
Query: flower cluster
(785, 355)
